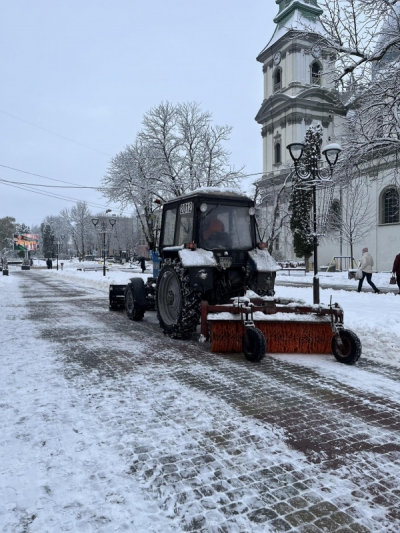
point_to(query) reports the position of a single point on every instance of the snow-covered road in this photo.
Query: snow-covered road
(108, 425)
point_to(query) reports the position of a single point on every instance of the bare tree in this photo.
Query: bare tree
(177, 150)
(360, 33)
(133, 179)
(125, 235)
(78, 220)
(354, 219)
(363, 42)
(271, 199)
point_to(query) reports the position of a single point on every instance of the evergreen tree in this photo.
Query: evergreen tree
(7, 227)
(22, 229)
(300, 222)
(47, 245)
(301, 201)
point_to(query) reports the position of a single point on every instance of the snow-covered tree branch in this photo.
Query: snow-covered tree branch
(177, 150)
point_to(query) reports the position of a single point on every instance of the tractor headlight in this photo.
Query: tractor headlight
(203, 208)
(252, 211)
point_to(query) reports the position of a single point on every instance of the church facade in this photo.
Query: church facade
(297, 94)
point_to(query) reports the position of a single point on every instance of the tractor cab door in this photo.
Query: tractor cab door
(184, 233)
(178, 223)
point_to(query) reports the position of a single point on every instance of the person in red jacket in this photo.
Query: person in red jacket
(396, 269)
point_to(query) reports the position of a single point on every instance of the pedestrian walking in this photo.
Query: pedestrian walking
(142, 262)
(366, 265)
(396, 270)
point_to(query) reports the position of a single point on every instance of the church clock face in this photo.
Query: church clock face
(277, 58)
(316, 51)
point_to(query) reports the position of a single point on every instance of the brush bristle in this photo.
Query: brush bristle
(281, 337)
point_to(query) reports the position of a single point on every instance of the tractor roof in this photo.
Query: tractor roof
(215, 192)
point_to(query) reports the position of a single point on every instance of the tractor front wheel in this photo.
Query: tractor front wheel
(135, 299)
(350, 352)
(255, 346)
(178, 306)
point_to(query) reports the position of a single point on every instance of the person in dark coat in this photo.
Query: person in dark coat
(49, 263)
(396, 270)
(142, 262)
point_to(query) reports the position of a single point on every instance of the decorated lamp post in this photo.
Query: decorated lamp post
(58, 247)
(104, 231)
(311, 175)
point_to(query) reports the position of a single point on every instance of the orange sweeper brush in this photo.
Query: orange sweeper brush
(282, 336)
(290, 328)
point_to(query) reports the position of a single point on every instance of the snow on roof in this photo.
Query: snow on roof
(225, 191)
(297, 23)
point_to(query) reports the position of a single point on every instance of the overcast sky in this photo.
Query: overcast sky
(78, 75)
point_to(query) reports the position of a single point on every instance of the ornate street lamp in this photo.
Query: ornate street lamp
(313, 175)
(103, 231)
(58, 247)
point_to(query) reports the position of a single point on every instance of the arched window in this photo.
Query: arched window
(277, 80)
(278, 153)
(316, 72)
(390, 206)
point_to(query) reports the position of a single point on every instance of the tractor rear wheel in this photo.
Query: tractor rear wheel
(351, 350)
(255, 346)
(178, 306)
(135, 299)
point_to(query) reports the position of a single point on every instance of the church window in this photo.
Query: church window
(277, 80)
(316, 72)
(278, 153)
(390, 206)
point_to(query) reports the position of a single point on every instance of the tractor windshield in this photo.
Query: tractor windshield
(226, 227)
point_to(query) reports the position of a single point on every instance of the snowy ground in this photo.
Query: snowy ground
(375, 318)
(109, 426)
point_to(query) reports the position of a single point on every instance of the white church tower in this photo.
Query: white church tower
(297, 90)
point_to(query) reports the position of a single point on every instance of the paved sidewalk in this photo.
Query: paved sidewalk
(298, 281)
(126, 429)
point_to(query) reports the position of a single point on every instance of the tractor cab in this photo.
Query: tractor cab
(210, 219)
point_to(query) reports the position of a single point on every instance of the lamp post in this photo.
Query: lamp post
(52, 244)
(103, 231)
(58, 246)
(313, 175)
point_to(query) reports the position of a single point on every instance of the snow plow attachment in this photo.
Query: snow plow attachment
(287, 326)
